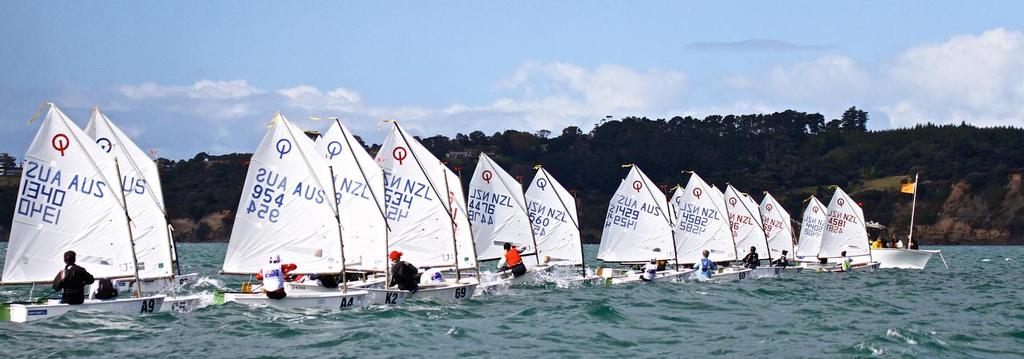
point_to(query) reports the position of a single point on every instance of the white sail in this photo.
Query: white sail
(812, 228)
(844, 228)
(702, 223)
(673, 207)
(359, 183)
(777, 226)
(67, 200)
(140, 182)
(636, 227)
(745, 221)
(497, 210)
(552, 211)
(418, 211)
(285, 207)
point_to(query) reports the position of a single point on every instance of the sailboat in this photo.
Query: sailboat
(286, 210)
(497, 213)
(748, 230)
(154, 246)
(778, 228)
(552, 211)
(702, 223)
(906, 258)
(845, 231)
(638, 229)
(427, 217)
(812, 228)
(67, 201)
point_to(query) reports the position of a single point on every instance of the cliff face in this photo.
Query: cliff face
(968, 218)
(212, 227)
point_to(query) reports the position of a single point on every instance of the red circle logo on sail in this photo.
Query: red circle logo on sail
(637, 185)
(768, 207)
(487, 175)
(697, 192)
(399, 153)
(732, 201)
(841, 202)
(60, 143)
(814, 209)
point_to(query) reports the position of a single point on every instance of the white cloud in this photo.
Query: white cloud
(203, 89)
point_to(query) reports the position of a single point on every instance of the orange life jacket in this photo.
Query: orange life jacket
(512, 257)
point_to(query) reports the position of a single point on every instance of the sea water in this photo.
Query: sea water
(973, 309)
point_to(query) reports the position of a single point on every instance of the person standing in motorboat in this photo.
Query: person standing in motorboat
(751, 260)
(403, 274)
(911, 243)
(782, 261)
(513, 260)
(72, 280)
(272, 274)
(706, 267)
(650, 270)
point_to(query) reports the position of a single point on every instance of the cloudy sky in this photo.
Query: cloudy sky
(188, 76)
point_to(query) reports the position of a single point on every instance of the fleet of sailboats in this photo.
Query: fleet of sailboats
(336, 212)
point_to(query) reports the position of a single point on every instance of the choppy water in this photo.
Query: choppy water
(974, 309)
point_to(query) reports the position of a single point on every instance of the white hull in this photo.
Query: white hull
(723, 275)
(662, 276)
(181, 304)
(862, 267)
(22, 313)
(901, 258)
(327, 301)
(765, 272)
(442, 292)
(312, 287)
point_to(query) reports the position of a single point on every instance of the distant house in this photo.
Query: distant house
(459, 154)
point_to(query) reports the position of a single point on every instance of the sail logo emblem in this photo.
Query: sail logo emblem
(542, 183)
(815, 209)
(105, 144)
(637, 185)
(60, 143)
(283, 147)
(399, 153)
(732, 201)
(768, 207)
(697, 192)
(333, 149)
(487, 175)
(840, 202)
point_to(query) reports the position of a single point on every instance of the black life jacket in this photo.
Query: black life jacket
(106, 289)
(406, 273)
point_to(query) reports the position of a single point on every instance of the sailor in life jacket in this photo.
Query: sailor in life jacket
(272, 274)
(707, 267)
(513, 260)
(847, 262)
(650, 270)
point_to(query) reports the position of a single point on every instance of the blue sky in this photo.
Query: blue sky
(189, 76)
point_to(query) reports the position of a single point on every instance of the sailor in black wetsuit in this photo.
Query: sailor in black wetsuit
(72, 279)
(751, 260)
(782, 261)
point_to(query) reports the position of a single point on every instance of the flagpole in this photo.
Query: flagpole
(913, 207)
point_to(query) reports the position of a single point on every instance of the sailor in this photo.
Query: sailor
(72, 279)
(707, 267)
(273, 274)
(751, 260)
(911, 243)
(650, 270)
(105, 289)
(403, 274)
(847, 263)
(513, 261)
(877, 243)
(782, 261)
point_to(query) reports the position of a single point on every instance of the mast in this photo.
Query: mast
(455, 241)
(913, 207)
(362, 172)
(341, 237)
(131, 237)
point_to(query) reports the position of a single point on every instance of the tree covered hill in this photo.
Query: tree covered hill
(970, 189)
